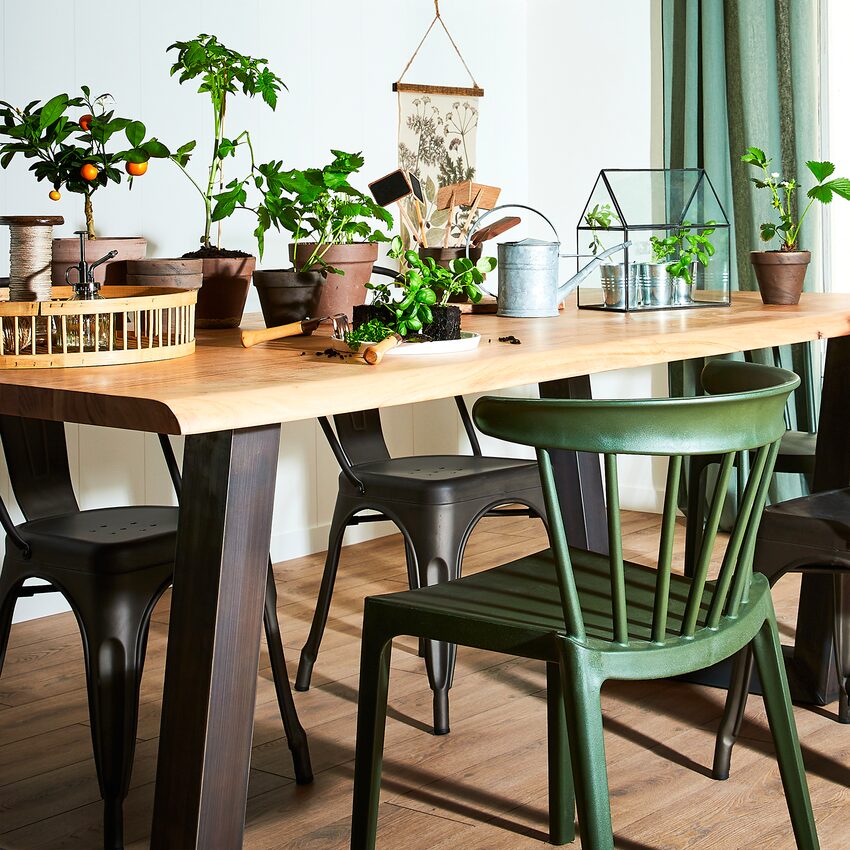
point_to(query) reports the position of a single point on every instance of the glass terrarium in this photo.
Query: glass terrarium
(679, 234)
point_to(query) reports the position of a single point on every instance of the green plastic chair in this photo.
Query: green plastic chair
(594, 617)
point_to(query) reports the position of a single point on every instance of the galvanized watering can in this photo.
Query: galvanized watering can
(528, 271)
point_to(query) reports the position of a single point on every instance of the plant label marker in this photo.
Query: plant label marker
(392, 188)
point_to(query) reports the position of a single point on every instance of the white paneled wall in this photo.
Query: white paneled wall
(542, 136)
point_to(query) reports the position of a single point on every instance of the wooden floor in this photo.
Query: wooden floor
(483, 787)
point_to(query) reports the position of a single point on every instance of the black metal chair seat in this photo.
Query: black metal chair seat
(818, 525)
(105, 540)
(441, 479)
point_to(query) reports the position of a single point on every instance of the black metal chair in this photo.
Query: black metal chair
(806, 535)
(435, 501)
(796, 456)
(112, 565)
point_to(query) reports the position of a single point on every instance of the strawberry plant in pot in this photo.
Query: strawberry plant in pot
(79, 145)
(418, 305)
(222, 73)
(781, 274)
(335, 228)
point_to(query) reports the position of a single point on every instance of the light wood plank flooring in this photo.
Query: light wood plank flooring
(483, 787)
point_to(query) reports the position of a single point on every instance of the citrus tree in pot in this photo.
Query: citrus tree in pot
(335, 228)
(222, 72)
(781, 274)
(79, 145)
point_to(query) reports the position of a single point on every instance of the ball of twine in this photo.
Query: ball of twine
(30, 255)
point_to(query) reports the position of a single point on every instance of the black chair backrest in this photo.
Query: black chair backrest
(37, 458)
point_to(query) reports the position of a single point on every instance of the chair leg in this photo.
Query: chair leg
(114, 640)
(436, 539)
(8, 598)
(696, 509)
(561, 794)
(296, 737)
(583, 703)
(733, 713)
(371, 723)
(842, 646)
(323, 602)
(780, 715)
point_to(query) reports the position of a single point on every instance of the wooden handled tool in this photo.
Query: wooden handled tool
(307, 326)
(495, 229)
(375, 353)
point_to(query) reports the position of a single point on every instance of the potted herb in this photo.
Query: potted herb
(335, 228)
(223, 72)
(418, 306)
(781, 274)
(79, 145)
(614, 277)
(680, 252)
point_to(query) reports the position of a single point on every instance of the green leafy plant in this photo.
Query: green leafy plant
(601, 217)
(372, 331)
(317, 205)
(222, 72)
(782, 192)
(682, 248)
(425, 285)
(83, 153)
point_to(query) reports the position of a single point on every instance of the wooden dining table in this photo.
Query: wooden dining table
(229, 402)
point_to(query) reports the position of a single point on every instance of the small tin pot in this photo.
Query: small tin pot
(655, 285)
(618, 280)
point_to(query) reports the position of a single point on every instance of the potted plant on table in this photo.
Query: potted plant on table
(679, 254)
(614, 277)
(222, 72)
(78, 144)
(781, 274)
(418, 306)
(335, 228)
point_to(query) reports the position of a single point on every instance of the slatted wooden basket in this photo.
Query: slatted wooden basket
(139, 324)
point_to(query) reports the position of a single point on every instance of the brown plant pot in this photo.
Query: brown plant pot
(287, 295)
(173, 272)
(340, 291)
(780, 274)
(444, 256)
(66, 253)
(221, 299)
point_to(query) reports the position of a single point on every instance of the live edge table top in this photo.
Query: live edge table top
(224, 386)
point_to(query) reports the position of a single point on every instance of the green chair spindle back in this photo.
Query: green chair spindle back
(743, 412)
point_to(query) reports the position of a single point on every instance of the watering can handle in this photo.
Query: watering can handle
(477, 226)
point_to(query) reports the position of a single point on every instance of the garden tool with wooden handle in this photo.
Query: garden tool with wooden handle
(305, 326)
(375, 353)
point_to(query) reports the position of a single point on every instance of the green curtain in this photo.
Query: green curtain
(740, 73)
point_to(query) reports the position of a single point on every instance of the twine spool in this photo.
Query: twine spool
(30, 255)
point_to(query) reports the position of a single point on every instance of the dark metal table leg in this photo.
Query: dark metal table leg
(214, 639)
(579, 479)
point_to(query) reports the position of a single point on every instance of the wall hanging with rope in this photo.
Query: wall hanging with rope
(437, 128)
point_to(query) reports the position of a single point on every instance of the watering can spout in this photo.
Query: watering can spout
(581, 274)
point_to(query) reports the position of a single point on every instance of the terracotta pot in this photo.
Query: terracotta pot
(444, 256)
(341, 291)
(221, 299)
(780, 274)
(66, 253)
(173, 272)
(287, 295)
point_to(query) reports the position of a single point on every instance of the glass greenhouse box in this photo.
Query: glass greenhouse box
(679, 252)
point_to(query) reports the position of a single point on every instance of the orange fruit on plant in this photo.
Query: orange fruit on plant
(85, 122)
(89, 172)
(54, 195)
(136, 169)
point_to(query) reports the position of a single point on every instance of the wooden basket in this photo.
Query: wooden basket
(137, 324)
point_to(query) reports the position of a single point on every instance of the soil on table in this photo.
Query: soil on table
(446, 324)
(212, 253)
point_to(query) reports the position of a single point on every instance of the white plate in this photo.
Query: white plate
(467, 342)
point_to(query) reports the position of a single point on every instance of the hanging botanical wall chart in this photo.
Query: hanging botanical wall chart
(437, 130)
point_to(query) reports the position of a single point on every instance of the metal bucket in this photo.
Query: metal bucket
(618, 280)
(683, 292)
(655, 285)
(528, 278)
